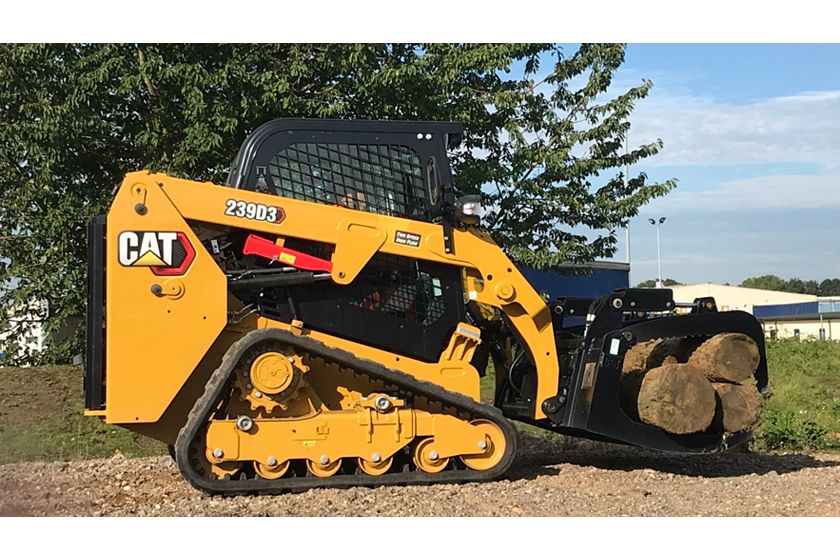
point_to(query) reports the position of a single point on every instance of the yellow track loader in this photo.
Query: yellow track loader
(325, 319)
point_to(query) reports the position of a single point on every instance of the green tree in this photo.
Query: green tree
(766, 282)
(652, 283)
(543, 139)
(793, 285)
(811, 287)
(829, 287)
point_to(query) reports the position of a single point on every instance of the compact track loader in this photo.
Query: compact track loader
(324, 319)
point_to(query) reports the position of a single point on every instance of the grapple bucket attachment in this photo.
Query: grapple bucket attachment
(589, 403)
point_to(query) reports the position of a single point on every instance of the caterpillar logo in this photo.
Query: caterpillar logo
(166, 253)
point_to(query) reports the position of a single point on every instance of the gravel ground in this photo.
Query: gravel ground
(550, 478)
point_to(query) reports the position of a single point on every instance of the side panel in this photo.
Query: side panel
(159, 326)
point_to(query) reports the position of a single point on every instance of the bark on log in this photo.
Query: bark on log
(635, 359)
(677, 398)
(653, 353)
(738, 407)
(731, 357)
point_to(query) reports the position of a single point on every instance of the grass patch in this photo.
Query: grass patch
(41, 419)
(803, 411)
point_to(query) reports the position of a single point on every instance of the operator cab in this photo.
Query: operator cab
(395, 168)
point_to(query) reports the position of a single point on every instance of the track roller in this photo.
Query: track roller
(323, 469)
(375, 469)
(427, 459)
(271, 473)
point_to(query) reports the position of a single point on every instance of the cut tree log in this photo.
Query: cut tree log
(731, 357)
(628, 392)
(653, 353)
(677, 398)
(635, 359)
(738, 407)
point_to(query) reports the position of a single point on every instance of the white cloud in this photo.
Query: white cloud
(799, 192)
(802, 128)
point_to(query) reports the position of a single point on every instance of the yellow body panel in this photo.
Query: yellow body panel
(154, 342)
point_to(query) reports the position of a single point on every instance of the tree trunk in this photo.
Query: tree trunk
(677, 398)
(731, 357)
(738, 407)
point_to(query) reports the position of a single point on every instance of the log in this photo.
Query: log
(738, 407)
(677, 398)
(729, 357)
(635, 359)
(628, 392)
(653, 353)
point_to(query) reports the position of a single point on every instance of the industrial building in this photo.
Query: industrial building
(736, 298)
(782, 314)
(810, 320)
(25, 319)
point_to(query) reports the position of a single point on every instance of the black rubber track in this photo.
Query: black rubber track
(232, 487)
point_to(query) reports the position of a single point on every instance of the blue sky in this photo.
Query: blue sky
(752, 133)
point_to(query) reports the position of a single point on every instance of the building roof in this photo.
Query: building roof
(753, 291)
(801, 317)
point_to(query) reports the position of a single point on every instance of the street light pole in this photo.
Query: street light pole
(626, 181)
(656, 224)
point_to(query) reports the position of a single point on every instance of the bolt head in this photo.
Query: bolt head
(376, 457)
(482, 444)
(383, 404)
(257, 394)
(218, 453)
(272, 461)
(325, 460)
(244, 423)
(433, 455)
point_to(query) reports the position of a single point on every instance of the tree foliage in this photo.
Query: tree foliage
(543, 139)
(652, 283)
(827, 287)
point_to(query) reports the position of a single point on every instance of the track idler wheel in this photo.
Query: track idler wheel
(494, 446)
(427, 459)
